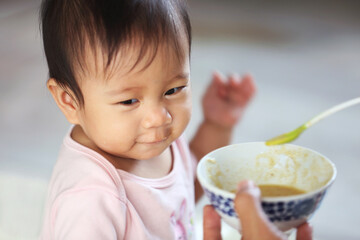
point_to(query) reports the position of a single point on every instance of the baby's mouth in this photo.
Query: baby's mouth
(154, 137)
(153, 140)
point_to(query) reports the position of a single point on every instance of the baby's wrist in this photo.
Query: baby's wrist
(222, 127)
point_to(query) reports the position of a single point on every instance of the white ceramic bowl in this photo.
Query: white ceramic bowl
(221, 170)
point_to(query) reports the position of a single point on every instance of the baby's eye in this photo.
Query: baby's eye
(174, 90)
(129, 102)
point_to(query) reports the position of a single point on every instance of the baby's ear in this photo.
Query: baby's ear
(65, 100)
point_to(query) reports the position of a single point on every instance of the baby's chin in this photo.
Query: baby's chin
(152, 151)
(142, 151)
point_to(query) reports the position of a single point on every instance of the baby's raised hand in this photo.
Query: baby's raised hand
(226, 99)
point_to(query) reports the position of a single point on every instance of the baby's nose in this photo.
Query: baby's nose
(156, 116)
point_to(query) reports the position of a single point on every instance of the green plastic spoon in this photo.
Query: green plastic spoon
(291, 136)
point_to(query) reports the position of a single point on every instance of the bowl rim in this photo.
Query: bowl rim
(231, 195)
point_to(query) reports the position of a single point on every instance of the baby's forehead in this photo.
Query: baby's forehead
(132, 57)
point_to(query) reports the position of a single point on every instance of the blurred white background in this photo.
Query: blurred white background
(304, 55)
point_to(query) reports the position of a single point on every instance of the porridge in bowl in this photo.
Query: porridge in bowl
(297, 178)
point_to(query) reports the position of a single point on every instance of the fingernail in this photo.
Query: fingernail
(245, 185)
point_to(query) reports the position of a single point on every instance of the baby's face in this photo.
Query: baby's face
(137, 114)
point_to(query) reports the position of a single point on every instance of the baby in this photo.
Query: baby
(120, 73)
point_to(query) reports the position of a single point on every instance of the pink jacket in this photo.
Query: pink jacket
(89, 199)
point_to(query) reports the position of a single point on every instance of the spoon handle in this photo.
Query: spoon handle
(332, 110)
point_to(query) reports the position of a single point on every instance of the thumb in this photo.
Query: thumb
(254, 223)
(247, 200)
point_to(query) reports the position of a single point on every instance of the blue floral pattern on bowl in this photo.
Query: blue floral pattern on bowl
(292, 210)
(222, 204)
(277, 211)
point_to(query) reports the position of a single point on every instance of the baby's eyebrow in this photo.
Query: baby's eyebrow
(184, 75)
(118, 91)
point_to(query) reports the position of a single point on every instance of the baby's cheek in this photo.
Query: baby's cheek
(181, 118)
(118, 136)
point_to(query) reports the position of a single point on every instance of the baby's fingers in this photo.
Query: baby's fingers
(248, 85)
(219, 84)
(241, 90)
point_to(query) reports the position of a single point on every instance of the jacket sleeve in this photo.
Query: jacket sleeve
(90, 214)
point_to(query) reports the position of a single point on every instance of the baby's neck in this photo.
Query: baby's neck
(157, 167)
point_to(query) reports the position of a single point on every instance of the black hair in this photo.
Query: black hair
(69, 25)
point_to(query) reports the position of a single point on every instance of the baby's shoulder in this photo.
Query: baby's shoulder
(79, 171)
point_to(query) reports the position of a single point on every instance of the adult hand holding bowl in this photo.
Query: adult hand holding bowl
(292, 166)
(254, 223)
